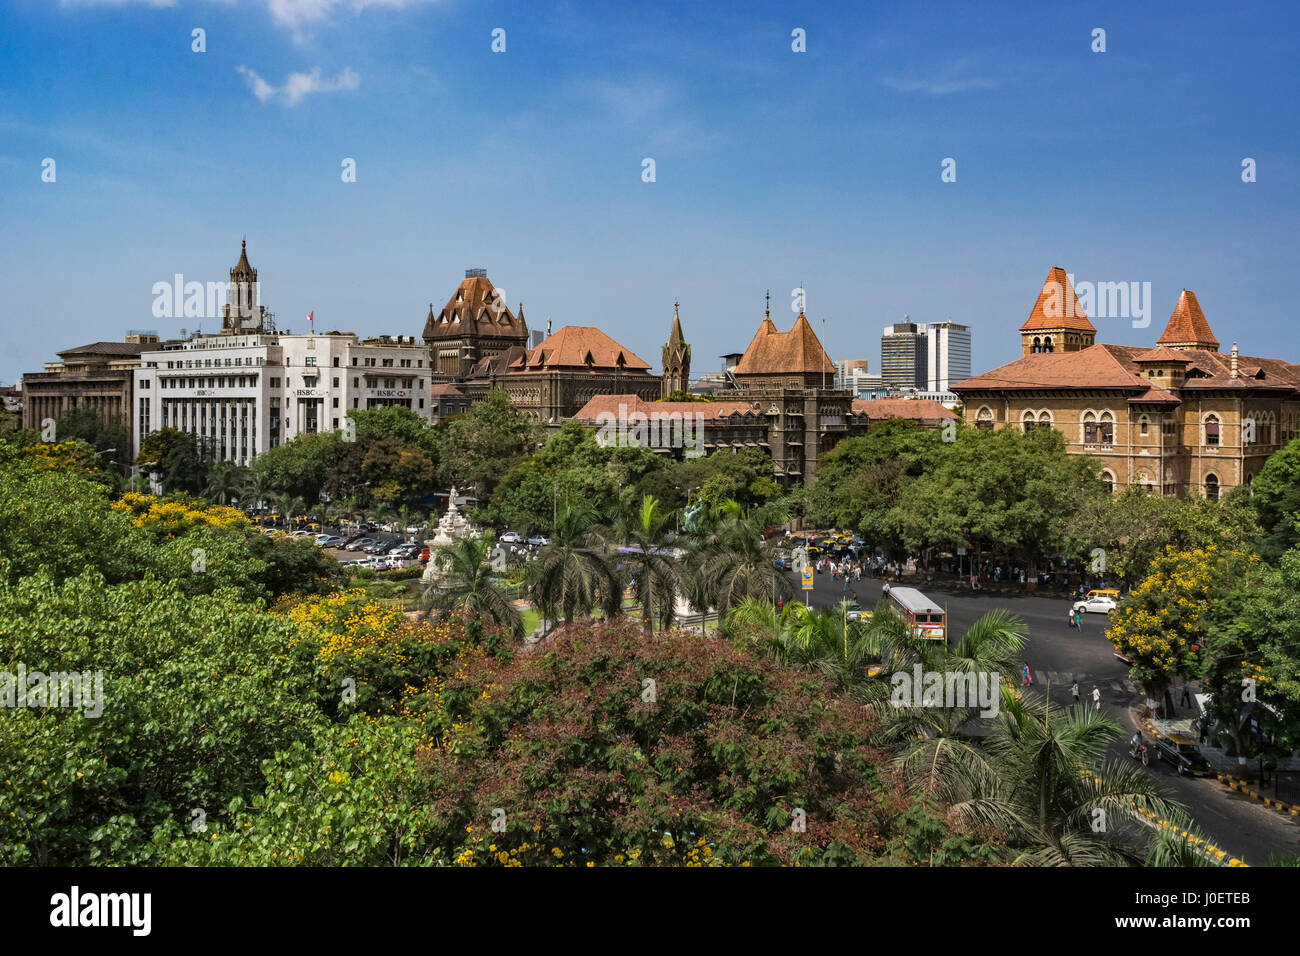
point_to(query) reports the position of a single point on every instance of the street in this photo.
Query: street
(1056, 655)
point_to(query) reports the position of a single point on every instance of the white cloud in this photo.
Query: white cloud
(941, 87)
(298, 85)
(297, 14)
(117, 3)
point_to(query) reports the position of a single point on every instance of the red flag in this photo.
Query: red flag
(310, 314)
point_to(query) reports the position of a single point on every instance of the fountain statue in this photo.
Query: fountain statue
(452, 526)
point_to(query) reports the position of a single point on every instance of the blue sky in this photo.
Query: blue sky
(772, 167)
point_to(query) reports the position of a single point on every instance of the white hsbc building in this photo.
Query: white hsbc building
(243, 393)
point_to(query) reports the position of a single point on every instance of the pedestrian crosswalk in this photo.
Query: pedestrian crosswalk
(1063, 679)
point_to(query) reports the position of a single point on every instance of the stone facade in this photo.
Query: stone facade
(1181, 419)
(98, 376)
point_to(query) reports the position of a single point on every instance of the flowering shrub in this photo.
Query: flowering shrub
(173, 517)
(1160, 623)
(387, 655)
(561, 749)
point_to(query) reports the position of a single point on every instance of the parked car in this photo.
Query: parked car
(539, 540)
(1098, 605)
(511, 537)
(412, 529)
(335, 541)
(1182, 752)
(360, 544)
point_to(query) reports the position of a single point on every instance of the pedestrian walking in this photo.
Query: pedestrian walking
(1074, 689)
(1096, 699)
(1186, 700)
(1078, 621)
(1025, 678)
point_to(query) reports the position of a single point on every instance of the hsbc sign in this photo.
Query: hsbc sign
(388, 392)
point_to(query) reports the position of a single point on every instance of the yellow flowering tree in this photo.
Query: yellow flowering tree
(1161, 624)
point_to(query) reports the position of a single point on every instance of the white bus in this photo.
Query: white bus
(925, 619)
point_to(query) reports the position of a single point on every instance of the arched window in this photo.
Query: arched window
(1044, 420)
(1108, 481)
(1089, 428)
(1107, 428)
(1212, 487)
(1143, 424)
(1038, 344)
(1027, 420)
(985, 418)
(1212, 430)
(1047, 343)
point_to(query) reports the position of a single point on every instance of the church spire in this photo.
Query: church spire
(676, 359)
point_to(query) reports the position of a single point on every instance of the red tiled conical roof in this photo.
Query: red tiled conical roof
(798, 350)
(1187, 325)
(1057, 306)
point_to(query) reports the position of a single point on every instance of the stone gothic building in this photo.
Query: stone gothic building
(475, 324)
(1180, 418)
(788, 378)
(676, 360)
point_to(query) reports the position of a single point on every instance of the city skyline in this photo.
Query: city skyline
(819, 169)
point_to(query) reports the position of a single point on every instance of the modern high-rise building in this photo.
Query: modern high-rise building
(947, 355)
(902, 355)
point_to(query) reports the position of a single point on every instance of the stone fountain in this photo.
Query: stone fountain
(452, 526)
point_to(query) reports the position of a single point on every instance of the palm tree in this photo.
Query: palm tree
(657, 582)
(377, 514)
(466, 586)
(574, 572)
(290, 507)
(225, 483)
(1178, 842)
(731, 561)
(259, 489)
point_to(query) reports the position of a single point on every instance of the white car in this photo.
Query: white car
(511, 537)
(1097, 605)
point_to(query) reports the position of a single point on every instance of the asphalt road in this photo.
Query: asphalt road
(1056, 655)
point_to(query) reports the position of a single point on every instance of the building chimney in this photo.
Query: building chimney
(1233, 373)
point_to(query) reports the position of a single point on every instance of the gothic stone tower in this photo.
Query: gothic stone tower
(676, 360)
(242, 312)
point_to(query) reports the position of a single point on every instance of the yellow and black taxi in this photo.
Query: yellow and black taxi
(1181, 751)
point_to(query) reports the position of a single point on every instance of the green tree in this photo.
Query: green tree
(656, 580)
(1275, 498)
(179, 457)
(482, 445)
(730, 561)
(226, 482)
(575, 573)
(467, 586)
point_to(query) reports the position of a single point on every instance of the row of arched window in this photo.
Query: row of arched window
(1143, 481)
